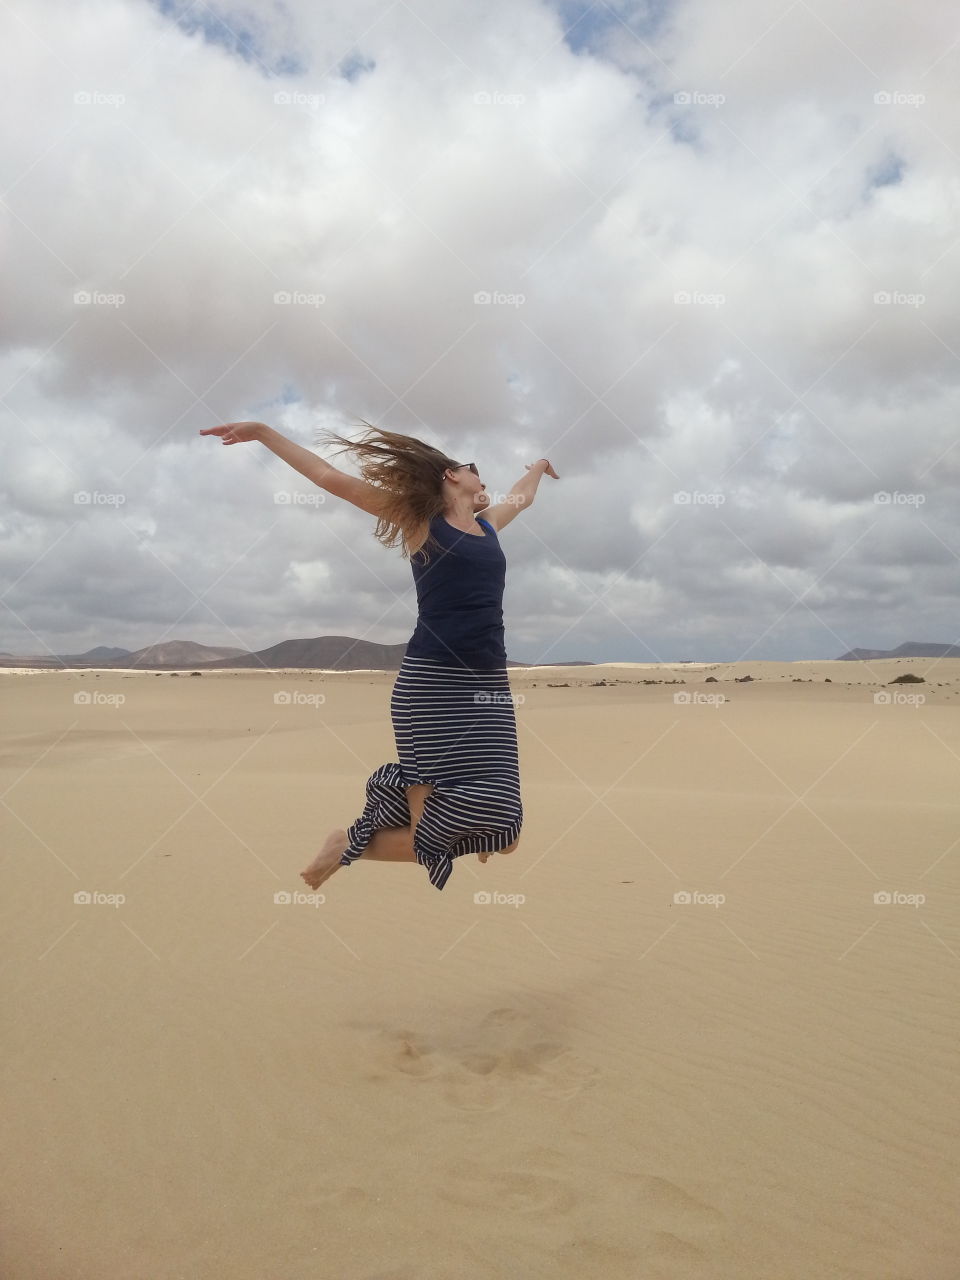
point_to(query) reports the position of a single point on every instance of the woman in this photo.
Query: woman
(456, 786)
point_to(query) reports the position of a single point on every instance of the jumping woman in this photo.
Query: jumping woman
(455, 788)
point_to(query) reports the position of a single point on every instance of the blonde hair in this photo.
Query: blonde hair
(410, 475)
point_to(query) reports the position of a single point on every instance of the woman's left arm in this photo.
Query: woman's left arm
(521, 495)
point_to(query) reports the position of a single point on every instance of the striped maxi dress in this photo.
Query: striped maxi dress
(452, 711)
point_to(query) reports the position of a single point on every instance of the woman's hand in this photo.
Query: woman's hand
(236, 432)
(548, 469)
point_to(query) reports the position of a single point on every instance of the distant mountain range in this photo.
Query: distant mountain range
(912, 649)
(330, 653)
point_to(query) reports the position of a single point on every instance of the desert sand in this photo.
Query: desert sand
(681, 1040)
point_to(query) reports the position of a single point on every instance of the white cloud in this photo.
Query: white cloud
(780, 195)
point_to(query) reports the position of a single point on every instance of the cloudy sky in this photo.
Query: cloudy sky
(721, 248)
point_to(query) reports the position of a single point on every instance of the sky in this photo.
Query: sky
(705, 258)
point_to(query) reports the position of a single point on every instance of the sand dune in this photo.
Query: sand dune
(587, 1074)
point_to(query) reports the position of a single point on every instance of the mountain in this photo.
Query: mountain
(177, 653)
(171, 653)
(329, 653)
(912, 649)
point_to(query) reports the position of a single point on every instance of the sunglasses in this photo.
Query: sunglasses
(471, 465)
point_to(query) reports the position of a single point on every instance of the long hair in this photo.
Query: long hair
(410, 474)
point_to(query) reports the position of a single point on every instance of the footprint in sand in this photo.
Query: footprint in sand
(669, 1209)
(484, 1187)
(484, 1067)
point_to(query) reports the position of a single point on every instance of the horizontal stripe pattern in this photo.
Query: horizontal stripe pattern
(456, 728)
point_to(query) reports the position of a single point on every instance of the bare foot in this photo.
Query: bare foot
(327, 860)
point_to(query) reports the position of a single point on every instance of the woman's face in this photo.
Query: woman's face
(469, 483)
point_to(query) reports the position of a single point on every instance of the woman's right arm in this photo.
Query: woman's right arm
(366, 496)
